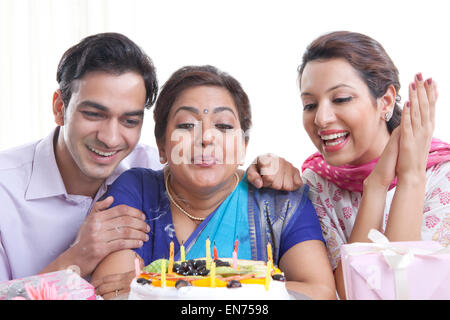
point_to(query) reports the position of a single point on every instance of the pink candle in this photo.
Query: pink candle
(236, 245)
(137, 266)
(235, 260)
(215, 252)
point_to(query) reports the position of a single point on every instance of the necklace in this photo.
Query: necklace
(169, 195)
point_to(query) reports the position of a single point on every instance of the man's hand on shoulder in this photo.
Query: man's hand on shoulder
(104, 231)
(274, 172)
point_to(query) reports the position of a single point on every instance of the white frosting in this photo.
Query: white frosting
(277, 291)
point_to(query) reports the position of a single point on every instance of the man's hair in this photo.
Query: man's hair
(107, 52)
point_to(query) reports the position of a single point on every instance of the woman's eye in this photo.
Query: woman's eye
(224, 126)
(185, 126)
(309, 106)
(343, 100)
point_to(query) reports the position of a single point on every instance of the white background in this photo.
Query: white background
(258, 42)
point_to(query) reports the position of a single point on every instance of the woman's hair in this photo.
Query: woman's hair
(194, 76)
(108, 52)
(365, 55)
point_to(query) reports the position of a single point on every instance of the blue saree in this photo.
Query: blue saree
(254, 217)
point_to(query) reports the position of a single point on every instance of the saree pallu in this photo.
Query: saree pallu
(254, 217)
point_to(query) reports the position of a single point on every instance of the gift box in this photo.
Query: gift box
(418, 270)
(59, 285)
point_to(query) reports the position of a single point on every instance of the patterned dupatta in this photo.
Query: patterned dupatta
(350, 177)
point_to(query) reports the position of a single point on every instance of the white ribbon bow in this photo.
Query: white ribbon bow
(398, 258)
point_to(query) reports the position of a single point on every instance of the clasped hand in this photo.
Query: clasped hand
(405, 155)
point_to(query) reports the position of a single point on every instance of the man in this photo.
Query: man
(49, 187)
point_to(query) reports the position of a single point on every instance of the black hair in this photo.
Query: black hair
(108, 52)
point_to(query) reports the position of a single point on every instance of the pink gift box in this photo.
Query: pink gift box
(66, 282)
(396, 270)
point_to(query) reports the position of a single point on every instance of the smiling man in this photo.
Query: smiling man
(51, 216)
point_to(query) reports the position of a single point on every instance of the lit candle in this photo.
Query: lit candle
(182, 253)
(208, 253)
(235, 260)
(268, 274)
(215, 252)
(163, 273)
(269, 252)
(137, 267)
(236, 245)
(213, 274)
(171, 254)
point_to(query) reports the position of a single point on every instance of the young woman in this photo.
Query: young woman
(377, 166)
(202, 117)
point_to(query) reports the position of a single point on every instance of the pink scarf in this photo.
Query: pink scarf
(351, 177)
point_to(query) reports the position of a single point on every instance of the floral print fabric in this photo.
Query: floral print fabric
(337, 208)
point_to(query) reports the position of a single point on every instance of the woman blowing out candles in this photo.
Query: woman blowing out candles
(377, 166)
(202, 118)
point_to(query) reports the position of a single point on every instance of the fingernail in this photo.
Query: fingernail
(408, 104)
(430, 81)
(419, 76)
(413, 85)
(259, 183)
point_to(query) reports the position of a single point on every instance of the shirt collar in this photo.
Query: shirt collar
(46, 180)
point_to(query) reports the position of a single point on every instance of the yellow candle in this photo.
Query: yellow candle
(182, 253)
(208, 253)
(170, 270)
(269, 252)
(163, 273)
(268, 274)
(212, 273)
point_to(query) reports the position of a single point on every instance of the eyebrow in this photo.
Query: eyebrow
(196, 111)
(100, 107)
(330, 89)
(221, 109)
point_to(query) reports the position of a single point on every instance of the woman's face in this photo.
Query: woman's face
(204, 143)
(341, 117)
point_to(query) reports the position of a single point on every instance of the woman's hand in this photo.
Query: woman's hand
(417, 125)
(273, 172)
(114, 285)
(114, 274)
(384, 172)
(417, 128)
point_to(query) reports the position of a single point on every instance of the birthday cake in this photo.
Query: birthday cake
(204, 279)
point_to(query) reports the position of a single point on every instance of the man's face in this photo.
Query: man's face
(102, 122)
